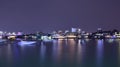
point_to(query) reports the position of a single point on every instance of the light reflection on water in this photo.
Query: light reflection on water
(118, 40)
(43, 50)
(110, 40)
(62, 53)
(99, 52)
(79, 52)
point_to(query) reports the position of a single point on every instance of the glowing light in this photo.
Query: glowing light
(86, 36)
(59, 37)
(110, 40)
(71, 41)
(114, 36)
(9, 33)
(11, 37)
(19, 33)
(118, 36)
(71, 36)
(0, 37)
(23, 43)
(100, 42)
(99, 52)
(34, 37)
(46, 38)
(1, 32)
(13, 33)
(108, 36)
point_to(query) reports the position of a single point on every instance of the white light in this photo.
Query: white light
(46, 38)
(13, 33)
(23, 43)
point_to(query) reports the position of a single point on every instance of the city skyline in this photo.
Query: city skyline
(59, 33)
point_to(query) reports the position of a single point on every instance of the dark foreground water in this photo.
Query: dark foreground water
(62, 53)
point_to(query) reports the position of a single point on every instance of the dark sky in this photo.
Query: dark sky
(49, 15)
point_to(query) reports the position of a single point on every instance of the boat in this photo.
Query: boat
(26, 43)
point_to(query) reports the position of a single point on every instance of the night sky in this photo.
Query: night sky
(49, 15)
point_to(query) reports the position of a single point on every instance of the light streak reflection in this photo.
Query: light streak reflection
(99, 52)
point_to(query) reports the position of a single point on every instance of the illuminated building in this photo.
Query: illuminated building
(73, 29)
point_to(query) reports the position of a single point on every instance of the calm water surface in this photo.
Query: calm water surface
(62, 53)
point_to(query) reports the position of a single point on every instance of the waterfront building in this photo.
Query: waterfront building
(66, 31)
(79, 30)
(60, 32)
(73, 30)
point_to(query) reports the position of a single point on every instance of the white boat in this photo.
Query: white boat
(29, 43)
